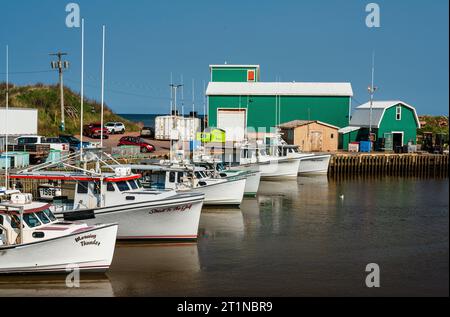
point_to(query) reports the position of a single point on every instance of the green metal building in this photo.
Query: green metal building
(238, 100)
(394, 124)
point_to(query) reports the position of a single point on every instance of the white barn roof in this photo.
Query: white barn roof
(361, 115)
(279, 89)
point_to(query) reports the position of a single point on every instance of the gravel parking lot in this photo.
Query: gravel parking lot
(162, 147)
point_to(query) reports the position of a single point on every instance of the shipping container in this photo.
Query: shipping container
(28, 119)
(186, 128)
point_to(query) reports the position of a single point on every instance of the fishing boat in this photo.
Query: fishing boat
(33, 240)
(217, 169)
(118, 196)
(310, 163)
(191, 179)
(272, 167)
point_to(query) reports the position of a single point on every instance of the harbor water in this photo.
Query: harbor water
(309, 237)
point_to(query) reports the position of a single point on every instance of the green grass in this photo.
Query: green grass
(46, 100)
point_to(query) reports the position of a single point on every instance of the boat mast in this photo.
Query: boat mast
(6, 118)
(103, 85)
(82, 89)
(102, 111)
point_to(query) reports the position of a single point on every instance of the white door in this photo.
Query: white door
(233, 121)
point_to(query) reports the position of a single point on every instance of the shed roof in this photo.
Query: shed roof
(278, 89)
(298, 123)
(361, 115)
(349, 129)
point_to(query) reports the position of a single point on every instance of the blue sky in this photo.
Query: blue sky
(308, 40)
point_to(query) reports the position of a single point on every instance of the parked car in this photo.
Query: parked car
(137, 141)
(115, 127)
(148, 132)
(94, 131)
(55, 143)
(74, 143)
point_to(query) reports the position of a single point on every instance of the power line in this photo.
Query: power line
(30, 72)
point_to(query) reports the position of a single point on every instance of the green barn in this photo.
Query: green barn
(238, 101)
(394, 124)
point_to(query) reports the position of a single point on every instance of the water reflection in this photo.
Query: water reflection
(97, 285)
(141, 269)
(310, 237)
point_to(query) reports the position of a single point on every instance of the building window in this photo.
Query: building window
(251, 75)
(332, 135)
(399, 113)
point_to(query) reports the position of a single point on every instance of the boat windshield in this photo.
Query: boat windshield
(31, 220)
(42, 217)
(50, 215)
(123, 186)
(133, 184)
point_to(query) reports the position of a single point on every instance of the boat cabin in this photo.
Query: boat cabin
(36, 219)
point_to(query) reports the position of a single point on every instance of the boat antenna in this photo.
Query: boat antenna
(182, 96)
(103, 84)
(82, 89)
(6, 118)
(193, 98)
(372, 90)
(204, 105)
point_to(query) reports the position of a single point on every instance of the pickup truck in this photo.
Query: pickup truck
(94, 131)
(54, 143)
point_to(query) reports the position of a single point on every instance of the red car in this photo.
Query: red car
(137, 141)
(94, 130)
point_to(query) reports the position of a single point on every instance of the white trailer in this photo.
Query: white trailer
(186, 128)
(21, 121)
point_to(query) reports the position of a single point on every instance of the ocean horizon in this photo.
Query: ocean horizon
(147, 119)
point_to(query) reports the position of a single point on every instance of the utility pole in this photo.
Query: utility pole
(60, 65)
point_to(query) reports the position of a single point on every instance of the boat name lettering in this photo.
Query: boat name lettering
(171, 209)
(91, 237)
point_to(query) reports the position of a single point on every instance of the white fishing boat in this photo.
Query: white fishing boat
(186, 179)
(272, 167)
(118, 196)
(310, 163)
(217, 169)
(32, 240)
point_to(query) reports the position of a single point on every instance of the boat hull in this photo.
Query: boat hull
(174, 218)
(253, 176)
(280, 169)
(89, 250)
(224, 193)
(252, 184)
(317, 164)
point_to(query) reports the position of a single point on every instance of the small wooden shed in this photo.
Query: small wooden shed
(311, 136)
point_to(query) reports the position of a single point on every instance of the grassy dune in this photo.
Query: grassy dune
(46, 99)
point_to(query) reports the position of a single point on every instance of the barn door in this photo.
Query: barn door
(316, 141)
(233, 121)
